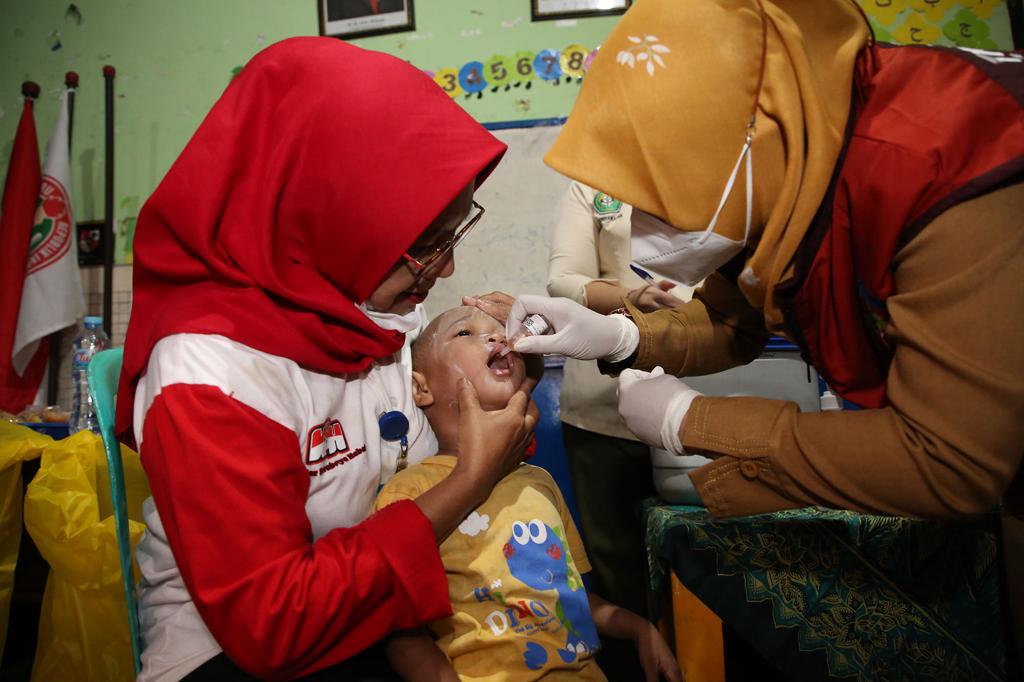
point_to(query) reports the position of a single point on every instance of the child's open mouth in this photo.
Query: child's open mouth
(500, 365)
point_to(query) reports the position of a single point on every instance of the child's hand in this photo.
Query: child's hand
(655, 656)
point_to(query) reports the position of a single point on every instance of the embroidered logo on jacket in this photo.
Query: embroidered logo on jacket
(325, 441)
(327, 448)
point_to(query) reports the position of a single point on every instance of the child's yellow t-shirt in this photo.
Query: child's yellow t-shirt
(514, 565)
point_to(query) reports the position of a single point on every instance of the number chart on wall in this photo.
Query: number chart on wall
(503, 68)
(977, 24)
(495, 61)
(503, 73)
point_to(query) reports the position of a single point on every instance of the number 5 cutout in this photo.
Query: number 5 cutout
(499, 71)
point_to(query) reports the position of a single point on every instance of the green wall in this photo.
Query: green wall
(174, 58)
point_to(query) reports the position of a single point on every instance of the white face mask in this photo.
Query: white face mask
(406, 323)
(689, 257)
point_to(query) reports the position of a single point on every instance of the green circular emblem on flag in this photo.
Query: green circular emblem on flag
(51, 235)
(605, 204)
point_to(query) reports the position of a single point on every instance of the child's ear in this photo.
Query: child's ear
(421, 394)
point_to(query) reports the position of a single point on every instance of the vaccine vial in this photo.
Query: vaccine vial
(533, 325)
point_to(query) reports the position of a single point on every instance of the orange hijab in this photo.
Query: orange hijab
(663, 113)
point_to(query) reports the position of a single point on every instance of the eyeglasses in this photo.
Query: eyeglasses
(420, 266)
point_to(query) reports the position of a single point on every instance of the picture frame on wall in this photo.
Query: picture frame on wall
(90, 242)
(546, 10)
(349, 19)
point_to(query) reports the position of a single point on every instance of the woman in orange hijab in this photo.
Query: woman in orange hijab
(277, 267)
(862, 200)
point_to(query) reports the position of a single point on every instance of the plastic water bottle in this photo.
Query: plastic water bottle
(829, 401)
(91, 340)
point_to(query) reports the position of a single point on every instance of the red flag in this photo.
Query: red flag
(21, 191)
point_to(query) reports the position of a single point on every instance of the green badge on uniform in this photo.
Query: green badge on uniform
(605, 204)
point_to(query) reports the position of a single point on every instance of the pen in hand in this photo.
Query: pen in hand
(664, 284)
(643, 274)
(659, 298)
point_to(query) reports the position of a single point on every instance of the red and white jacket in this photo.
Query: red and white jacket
(929, 128)
(295, 575)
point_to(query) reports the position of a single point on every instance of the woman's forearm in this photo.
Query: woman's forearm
(604, 297)
(449, 502)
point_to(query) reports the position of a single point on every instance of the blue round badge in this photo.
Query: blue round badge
(393, 425)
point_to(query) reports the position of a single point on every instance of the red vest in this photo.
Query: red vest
(929, 127)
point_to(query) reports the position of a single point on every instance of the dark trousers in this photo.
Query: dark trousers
(611, 476)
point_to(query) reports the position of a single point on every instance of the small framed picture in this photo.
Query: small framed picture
(360, 18)
(544, 10)
(90, 242)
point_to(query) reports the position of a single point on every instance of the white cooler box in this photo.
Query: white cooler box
(779, 373)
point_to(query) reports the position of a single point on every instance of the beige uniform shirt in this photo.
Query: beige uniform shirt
(590, 242)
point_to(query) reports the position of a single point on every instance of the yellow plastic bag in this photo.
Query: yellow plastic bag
(17, 444)
(83, 627)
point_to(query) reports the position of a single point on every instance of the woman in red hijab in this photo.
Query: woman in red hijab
(277, 267)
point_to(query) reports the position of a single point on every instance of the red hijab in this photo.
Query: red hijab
(316, 169)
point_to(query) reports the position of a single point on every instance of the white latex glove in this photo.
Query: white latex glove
(579, 332)
(654, 405)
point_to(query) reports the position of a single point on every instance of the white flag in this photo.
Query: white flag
(52, 298)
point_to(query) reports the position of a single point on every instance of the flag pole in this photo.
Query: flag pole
(71, 83)
(30, 90)
(108, 201)
(53, 372)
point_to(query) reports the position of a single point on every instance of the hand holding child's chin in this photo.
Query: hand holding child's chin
(534, 367)
(492, 443)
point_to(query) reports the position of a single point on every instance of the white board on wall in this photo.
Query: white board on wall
(508, 250)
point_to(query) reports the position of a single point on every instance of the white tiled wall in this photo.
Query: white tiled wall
(508, 250)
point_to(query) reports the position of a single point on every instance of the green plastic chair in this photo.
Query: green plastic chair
(104, 371)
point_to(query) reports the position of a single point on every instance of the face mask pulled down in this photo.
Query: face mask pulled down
(406, 323)
(689, 257)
